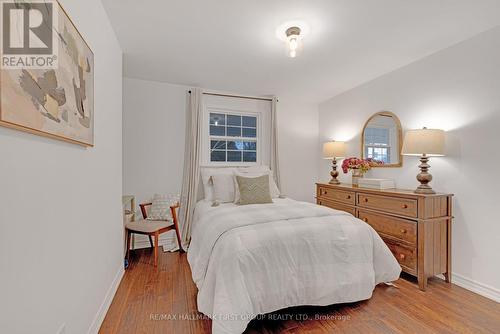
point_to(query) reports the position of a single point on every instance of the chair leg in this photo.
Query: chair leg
(151, 241)
(157, 236)
(179, 241)
(178, 235)
(128, 245)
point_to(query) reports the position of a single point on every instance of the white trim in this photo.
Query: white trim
(106, 303)
(474, 286)
(237, 96)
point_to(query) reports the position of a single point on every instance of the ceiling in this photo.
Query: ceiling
(231, 45)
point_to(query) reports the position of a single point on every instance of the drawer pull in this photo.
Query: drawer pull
(405, 206)
(403, 231)
(348, 196)
(365, 220)
(366, 199)
(325, 192)
(402, 256)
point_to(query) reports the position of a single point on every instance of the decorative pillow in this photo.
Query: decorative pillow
(254, 190)
(206, 174)
(223, 186)
(275, 192)
(160, 209)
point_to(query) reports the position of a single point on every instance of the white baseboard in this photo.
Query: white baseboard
(474, 286)
(106, 303)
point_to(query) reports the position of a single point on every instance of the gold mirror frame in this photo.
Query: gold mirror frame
(400, 137)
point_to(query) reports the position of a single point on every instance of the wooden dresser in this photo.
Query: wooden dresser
(415, 227)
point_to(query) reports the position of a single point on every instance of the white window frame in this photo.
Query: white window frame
(207, 137)
(386, 147)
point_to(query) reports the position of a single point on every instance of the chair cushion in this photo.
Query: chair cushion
(148, 226)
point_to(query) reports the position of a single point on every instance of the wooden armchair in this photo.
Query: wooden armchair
(153, 228)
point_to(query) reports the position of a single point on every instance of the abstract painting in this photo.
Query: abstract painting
(54, 102)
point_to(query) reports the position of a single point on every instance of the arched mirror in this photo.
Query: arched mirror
(382, 139)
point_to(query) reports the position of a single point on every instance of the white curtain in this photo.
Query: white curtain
(192, 158)
(274, 142)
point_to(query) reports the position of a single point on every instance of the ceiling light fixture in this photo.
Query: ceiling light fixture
(293, 39)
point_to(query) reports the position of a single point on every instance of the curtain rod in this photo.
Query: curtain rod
(238, 96)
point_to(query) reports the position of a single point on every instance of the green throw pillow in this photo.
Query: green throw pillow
(254, 190)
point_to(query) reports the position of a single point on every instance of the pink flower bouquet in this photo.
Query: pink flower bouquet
(360, 165)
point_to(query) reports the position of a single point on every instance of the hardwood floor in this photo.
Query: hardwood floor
(163, 300)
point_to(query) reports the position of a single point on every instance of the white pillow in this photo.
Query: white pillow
(254, 169)
(261, 170)
(206, 173)
(223, 186)
(275, 192)
(160, 210)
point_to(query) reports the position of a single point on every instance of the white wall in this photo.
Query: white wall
(61, 230)
(457, 90)
(298, 148)
(153, 141)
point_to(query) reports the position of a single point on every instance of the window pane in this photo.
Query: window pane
(218, 144)
(249, 132)
(223, 126)
(250, 121)
(250, 156)
(250, 145)
(218, 156)
(217, 119)
(233, 156)
(235, 145)
(234, 120)
(217, 130)
(233, 132)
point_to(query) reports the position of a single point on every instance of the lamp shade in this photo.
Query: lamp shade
(334, 149)
(424, 141)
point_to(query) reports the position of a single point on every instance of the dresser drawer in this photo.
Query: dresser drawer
(337, 195)
(337, 206)
(402, 229)
(402, 206)
(406, 256)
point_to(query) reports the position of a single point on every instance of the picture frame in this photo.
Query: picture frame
(58, 102)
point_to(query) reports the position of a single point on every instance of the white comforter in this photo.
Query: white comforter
(255, 259)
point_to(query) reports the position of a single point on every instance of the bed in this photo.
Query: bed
(248, 260)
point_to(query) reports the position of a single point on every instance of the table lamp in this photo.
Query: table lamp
(333, 150)
(425, 143)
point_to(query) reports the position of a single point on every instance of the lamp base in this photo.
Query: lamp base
(334, 174)
(424, 190)
(424, 177)
(334, 181)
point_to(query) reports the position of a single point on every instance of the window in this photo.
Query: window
(233, 138)
(377, 145)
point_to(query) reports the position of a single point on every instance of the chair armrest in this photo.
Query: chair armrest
(143, 209)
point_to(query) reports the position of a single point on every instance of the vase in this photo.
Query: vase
(356, 175)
